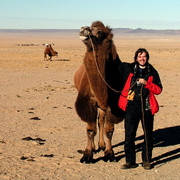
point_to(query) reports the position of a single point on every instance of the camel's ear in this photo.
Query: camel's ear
(110, 36)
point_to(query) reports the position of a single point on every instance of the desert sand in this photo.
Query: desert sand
(40, 132)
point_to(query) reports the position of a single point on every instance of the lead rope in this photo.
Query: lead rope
(101, 74)
(145, 133)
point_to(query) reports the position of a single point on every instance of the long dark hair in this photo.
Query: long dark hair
(141, 50)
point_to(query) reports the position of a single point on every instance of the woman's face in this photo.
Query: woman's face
(142, 59)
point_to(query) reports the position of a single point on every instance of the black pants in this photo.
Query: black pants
(132, 118)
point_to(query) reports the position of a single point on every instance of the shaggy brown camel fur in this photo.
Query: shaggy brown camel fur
(95, 99)
(50, 52)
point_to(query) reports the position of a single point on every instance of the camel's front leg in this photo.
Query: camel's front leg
(87, 110)
(109, 130)
(101, 121)
(88, 154)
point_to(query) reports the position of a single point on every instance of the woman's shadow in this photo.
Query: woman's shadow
(162, 138)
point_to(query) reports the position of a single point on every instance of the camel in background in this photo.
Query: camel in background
(95, 100)
(50, 52)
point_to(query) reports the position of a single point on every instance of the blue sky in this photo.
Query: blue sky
(72, 14)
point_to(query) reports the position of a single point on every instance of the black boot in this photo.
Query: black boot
(146, 165)
(129, 166)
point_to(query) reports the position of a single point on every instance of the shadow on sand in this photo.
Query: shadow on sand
(162, 138)
(61, 60)
(58, 60)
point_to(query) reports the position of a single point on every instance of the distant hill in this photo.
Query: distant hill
(116, 31)
(140, 31)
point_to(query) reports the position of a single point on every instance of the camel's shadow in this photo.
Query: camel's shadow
(162, 138)
(61, 60)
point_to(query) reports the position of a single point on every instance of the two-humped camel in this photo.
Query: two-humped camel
(95, 99)
(50, 52)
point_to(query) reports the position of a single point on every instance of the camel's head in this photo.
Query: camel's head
(97, 32)
(48, 45)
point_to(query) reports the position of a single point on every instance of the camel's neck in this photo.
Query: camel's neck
(94, 66)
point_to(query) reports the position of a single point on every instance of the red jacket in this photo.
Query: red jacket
(153, 89)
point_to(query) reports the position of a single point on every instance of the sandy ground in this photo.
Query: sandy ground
(40, 132)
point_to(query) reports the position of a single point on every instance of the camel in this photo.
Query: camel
(50, 52)
(94, 80)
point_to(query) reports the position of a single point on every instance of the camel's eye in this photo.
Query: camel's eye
(87, 29)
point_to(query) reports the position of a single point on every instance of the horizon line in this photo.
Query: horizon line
(78, 29)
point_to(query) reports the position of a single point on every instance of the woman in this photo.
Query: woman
(141, 82)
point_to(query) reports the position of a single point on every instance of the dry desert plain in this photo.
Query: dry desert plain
(40, 132)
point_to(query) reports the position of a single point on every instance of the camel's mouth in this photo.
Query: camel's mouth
(83, 38)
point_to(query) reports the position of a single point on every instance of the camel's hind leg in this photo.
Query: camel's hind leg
(110, 120)
(109, 153)
(109, 130)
